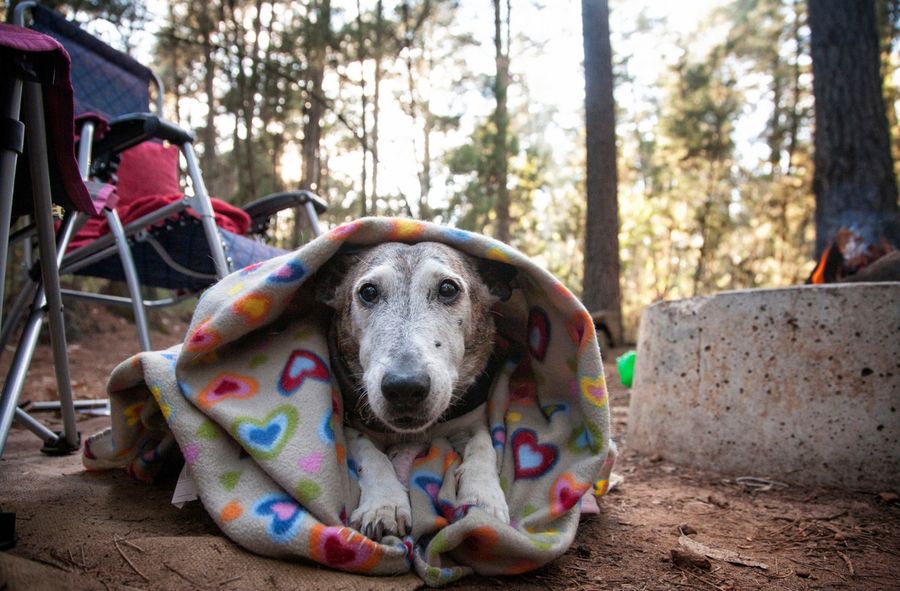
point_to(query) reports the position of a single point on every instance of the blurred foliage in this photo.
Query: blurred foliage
(715, 156)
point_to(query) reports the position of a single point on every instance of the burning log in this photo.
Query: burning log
(849, 257)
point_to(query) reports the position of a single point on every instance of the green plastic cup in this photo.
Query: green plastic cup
(625, 363)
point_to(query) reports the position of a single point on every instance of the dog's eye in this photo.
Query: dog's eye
(368, 293)
(448, 290)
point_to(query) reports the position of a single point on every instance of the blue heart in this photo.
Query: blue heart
(265, 437)
(300, 365)
(285, 515)
(529, 458)
(288, 273)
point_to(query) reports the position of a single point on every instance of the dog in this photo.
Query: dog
(411, 344)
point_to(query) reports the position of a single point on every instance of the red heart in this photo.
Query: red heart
(226, 387)
(565, 493)
(538, 333)
(300, 366)
(568, 497)
(530, 458)
(337, 553)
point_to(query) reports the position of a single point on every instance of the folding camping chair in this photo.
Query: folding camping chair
(176, 245)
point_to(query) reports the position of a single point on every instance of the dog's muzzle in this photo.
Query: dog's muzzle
(405, 388)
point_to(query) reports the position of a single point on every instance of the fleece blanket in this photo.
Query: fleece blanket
(250, 401)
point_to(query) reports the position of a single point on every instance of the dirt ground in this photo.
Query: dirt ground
(105, 531)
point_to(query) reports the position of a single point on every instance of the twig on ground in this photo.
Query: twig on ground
(181, 574)
(231, 580)
(757, 484)
(59, 564)
(132, 544)
(128, 560)
(848, 562)
(701, 579)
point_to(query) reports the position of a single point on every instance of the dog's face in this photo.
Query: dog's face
(414, 326)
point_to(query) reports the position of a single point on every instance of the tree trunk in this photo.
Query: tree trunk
(376, 98)
(208, 161)
(501, 121)
(601, 248)
(854, 179)
(361, 56)
(315, 109)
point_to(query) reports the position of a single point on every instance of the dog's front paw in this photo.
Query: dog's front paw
(379, 518)
(485, 493)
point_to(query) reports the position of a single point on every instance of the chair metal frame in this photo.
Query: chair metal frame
(114, 244)
(24, 104)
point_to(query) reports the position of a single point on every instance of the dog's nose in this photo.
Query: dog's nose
(405, 388)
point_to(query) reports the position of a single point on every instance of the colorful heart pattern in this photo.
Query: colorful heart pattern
(227, 386)
(593, 389)
(430, 483)
(538, 333)
(264, 439)
(311, 463)
(289, 272)
(565, 493)
(580, 328)
(343, 231)
(203, 339)
(531, 459)
(551, 409)
(251, 268)
(573, 405)
(300, 366)
(326, 428)
(343, 548)
(283, 514)
(580, 440)
(498, 436)
(480, 543)
(404, 229)
(253, 308)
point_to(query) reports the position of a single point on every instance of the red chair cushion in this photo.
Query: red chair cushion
(148, 169)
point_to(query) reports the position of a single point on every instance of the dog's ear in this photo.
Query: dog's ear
(498, 277)
(330, 275)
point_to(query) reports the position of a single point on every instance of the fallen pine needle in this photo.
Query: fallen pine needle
(128, 560)
(132, 544)
(180, 574)
(231, 580)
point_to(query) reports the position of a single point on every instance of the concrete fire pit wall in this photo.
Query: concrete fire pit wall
(799, 384)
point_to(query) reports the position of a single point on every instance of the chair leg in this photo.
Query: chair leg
(40, 175)
(18, 369)
(16, 313)
(10, 106)
(131, 278)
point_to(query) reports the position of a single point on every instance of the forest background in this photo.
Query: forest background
(392, 107)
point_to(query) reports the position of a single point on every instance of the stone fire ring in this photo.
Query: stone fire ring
(800, 385)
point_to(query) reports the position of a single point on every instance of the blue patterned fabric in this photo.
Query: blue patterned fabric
(106, 81)
(185, 242)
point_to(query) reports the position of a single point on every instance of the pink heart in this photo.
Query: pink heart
(191, 451)
(311, 463)
(284, 510)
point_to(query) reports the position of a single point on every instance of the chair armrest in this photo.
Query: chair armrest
(130, 130)
(261, 210)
